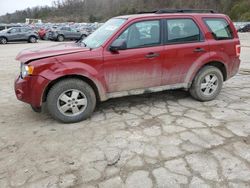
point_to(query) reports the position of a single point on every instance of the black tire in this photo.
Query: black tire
(3, 40)
(199, 81)
(63, 86)
(60, 38)
(32, 39)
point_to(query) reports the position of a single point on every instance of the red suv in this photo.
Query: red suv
(130, 55)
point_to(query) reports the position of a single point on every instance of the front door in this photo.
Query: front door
(139, 65)
(14, 34)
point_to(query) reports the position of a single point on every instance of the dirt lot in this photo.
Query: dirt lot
(156, 140)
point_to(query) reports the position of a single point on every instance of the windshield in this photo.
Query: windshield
(102, 34)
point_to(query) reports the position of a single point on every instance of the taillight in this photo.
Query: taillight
(237, 48)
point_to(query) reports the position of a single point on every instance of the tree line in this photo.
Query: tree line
(101, 10)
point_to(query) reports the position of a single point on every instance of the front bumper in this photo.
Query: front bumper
(30, 89)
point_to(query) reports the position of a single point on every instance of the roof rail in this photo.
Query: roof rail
(163, 11)
(147, 12)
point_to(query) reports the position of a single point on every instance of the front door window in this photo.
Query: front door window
(142, 34)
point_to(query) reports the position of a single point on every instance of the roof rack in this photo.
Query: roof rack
(169, 11)
(163, 11)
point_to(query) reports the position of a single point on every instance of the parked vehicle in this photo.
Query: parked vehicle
(42, 33)
(246, 28)
(63, 33)
(130, 55)
(7, 26)
(18, 34)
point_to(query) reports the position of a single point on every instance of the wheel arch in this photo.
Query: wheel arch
(60, 34)
(4, 37)
(33, 36)
(92, 84)
(218, 64)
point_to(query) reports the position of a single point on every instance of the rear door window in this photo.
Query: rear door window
(25, 29)
(182, 31)
(220, 28)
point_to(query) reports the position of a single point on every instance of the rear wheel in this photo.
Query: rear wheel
(71, 101)
(207, 84)
(3, 40)
(60, 38)
(32, 39)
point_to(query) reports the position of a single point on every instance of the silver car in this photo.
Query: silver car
(18, 34)
(60, 34)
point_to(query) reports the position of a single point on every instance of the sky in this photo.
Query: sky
(10, 6)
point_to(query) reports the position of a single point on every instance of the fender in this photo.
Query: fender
(55, 70)
(202, 61)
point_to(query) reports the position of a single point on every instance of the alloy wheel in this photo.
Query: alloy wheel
(72, 102)
(209, 85)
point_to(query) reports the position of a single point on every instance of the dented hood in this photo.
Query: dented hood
(55, 50)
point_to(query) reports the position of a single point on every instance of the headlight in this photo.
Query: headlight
(26, 70)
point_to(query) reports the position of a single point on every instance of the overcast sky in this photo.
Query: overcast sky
(10, 6)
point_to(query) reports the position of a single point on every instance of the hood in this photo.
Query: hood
(3, 31)
(55, 50)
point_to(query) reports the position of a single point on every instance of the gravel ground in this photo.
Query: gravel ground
(161, 140)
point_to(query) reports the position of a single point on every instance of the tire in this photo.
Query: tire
(63, 97)
(60, 38)
(3, 40)
(207, 84)
(32, 39)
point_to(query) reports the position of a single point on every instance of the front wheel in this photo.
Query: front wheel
(207, 84)
(71, 101)
(3, 40)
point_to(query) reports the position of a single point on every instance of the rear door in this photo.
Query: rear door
(66, 32)
(23, 35)
(75, 34)
(184, 47)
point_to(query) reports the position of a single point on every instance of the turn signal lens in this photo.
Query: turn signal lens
(26, 70)
(29, 69)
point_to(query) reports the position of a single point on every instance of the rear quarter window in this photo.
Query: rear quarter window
(220, 28)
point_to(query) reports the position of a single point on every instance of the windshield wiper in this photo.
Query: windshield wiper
(85, 45)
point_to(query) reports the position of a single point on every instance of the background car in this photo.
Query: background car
(42, 33)
(246, 28)
(69, 33)
(18, 34)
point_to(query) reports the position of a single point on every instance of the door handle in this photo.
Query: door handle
(152, 55)
(199, 50)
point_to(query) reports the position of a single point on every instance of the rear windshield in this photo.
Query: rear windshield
(220, 28)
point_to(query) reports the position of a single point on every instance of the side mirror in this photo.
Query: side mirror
(9, 32)
(119, 44)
